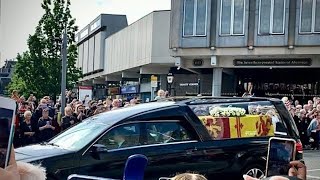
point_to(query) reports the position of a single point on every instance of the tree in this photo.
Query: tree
(38, 70)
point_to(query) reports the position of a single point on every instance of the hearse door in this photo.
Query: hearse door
(170, 149)
(108, 155)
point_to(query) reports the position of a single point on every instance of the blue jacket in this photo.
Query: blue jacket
(313, 125)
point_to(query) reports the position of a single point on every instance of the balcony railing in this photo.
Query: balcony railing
(5, 70)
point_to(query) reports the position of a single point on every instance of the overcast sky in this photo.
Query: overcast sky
(19, 18)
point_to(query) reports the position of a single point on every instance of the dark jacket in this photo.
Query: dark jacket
(48, 133)
(25, 127)
(65, 122)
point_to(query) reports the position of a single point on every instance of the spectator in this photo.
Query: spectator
(314, 130)
(80, 113)
(28, 130)
(46, 126)
(189, 176)
(161, 95)
(302, 125)
(296, 103)
(21, 170)
(85, 101)
(133, 102)
(297, 170)
(68, 120)
(108, 103)
(116, 104)
(15, 95)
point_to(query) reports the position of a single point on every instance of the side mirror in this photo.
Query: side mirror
(96, 149)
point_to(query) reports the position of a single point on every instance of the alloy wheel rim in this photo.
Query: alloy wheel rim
(256, 173)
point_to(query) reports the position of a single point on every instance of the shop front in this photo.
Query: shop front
(113, 92)
(130, 91)
(277, 77)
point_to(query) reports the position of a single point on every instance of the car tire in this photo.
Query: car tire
(255, 170)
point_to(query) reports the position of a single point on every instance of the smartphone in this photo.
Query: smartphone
(7, 115)
(281, 152)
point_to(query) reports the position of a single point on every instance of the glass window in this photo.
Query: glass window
(195, 18)
(265, 7)
(166, 132)
(232, 17)
(225, 16)
(271, 17)
(259, 119)
(238, 17)
(121, 137)
(201, 17)
(306, 16)
(189, 17)
(278, 16)
(80, 135)
(317, 16)
(310, 16)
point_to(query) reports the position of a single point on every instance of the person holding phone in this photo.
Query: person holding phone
(21, 171)
(68, 120)
(45, 125)
(297, 171)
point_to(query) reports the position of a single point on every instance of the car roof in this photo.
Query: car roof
(114, 116)
(209, 99)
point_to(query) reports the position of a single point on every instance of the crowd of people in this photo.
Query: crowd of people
(38, 121)
(307, 119)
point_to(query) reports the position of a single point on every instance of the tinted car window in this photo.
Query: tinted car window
(122, 136)
(79, 136)
(165, 132)
(259, 119)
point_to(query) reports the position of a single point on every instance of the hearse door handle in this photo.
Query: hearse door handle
(191, 151)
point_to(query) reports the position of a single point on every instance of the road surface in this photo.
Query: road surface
(312, 160)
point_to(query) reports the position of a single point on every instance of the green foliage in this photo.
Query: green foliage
(38, 70)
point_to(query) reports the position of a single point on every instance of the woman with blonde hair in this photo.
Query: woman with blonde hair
(27, 129)
(189, 176)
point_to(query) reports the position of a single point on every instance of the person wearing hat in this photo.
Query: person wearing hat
(45, 125)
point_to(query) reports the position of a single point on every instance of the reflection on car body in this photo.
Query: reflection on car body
(175, 136)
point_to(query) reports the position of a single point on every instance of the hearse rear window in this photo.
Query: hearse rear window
(240, 120)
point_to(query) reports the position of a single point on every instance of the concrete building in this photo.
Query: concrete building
(273, 45)
(130, 56)
(6, 73)
(91, 45)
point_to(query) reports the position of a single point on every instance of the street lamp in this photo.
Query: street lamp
(170, 78)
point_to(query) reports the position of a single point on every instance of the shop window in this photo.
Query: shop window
(195, 18)
(309, 16)
(271, 17)
(232, 17)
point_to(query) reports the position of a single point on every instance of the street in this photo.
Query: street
(312, 159)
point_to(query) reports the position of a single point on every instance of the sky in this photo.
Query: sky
(20, 17)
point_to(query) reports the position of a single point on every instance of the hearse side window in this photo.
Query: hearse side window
(123, 136)
(240, 120)
(166, 132)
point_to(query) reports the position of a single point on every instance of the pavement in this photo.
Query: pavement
(312, 160)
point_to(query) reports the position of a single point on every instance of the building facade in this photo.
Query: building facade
(128, 58)
(6, 73)
(272, 44)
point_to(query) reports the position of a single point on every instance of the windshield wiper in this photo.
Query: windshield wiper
(52, 144)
